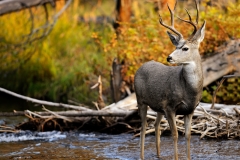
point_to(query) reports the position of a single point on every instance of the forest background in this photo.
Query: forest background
(65, 64)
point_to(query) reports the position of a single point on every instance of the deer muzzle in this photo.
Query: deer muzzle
(169, 59)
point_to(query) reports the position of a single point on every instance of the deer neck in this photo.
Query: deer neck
(193, 75)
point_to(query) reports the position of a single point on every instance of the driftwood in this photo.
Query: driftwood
(7, 129)
(70, 113)
(222, 121)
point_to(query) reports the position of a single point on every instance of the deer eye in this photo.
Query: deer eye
(185, 49)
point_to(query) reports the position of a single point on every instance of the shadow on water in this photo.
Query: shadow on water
(9, 103)
(77, 145)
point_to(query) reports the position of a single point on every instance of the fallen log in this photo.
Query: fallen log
(229, 109)
(225, 61)
(220, 109)
(71, 113)
(222, 121)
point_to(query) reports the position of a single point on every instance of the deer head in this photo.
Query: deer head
(186, 50)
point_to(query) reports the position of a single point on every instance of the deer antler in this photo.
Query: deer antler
(172, 21)
(190, 19)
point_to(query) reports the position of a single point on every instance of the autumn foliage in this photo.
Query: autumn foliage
(68, 62)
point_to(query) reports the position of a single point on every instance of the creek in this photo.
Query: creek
(85, 145)
(81, 145)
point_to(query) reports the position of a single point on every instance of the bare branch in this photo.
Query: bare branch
(8, 6)
(15, 5)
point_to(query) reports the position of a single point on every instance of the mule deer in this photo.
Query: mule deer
(172, 90)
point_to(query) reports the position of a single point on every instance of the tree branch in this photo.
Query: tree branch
(9, 6)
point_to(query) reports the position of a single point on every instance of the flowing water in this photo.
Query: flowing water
(79, 145)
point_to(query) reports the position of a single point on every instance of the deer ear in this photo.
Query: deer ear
(174, 39)
(199, 36)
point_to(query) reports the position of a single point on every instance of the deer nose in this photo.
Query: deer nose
(169, 58)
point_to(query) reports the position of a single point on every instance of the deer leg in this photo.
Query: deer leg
(158, 132)
(187, 123)
(173, 127)
(143, 112)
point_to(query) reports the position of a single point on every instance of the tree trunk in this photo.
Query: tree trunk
(123, 14)
(116, 80)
